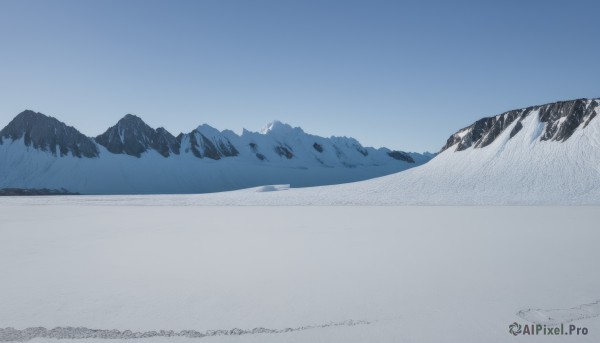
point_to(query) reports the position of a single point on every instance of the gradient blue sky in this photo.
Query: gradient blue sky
(401, 74)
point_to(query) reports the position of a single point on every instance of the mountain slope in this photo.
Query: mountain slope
(560, 120)
(39, 152)
(546, 154)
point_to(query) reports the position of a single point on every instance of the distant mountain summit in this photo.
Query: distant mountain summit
(207, 142)
(131, 157)
(133, 137)
(48, 134)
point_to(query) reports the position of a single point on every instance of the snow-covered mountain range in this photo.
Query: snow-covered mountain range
(540, 155)
(548, 154)
(40, 152)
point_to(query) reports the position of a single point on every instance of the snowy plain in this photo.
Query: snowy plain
(381, 274)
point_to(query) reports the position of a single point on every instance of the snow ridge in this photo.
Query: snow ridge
(561, 316)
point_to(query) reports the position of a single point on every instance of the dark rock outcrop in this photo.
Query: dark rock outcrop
(284, 151)
(258, 155)
(564, 117)
(401, 156)
(361, 149)
(165, 143)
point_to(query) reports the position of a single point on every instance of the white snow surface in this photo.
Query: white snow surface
(414, 274)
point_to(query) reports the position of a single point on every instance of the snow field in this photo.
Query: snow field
(416, 274)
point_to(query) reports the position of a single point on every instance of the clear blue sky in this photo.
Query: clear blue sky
(401, 74)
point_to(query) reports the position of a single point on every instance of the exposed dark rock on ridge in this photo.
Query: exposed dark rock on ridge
(318, 147)
(561, 120)
(133, 137)
(572, 113)
(284, 151)
(48, 134)
(401, 156)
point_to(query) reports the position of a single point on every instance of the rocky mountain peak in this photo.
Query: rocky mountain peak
(206, 141)
(278, 128)
(48, 134)
(560, 120)
(132, 136)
